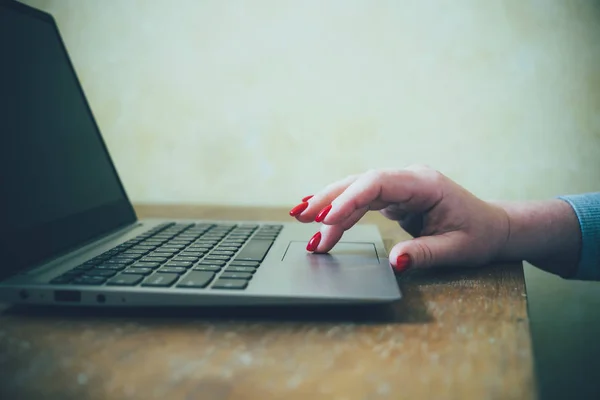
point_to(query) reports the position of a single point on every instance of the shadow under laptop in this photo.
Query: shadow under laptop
(410, 309)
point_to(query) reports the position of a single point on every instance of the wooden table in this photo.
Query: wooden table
(460, 334)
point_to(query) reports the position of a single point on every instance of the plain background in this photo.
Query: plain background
(263, 102)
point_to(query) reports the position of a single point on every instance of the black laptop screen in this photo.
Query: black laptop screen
(59, 187)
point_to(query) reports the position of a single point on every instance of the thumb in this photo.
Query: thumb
(425, 252)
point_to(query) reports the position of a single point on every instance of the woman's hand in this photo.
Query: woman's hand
(450, 226)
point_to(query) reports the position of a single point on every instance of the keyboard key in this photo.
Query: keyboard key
(73, 273)
(181, 258)
(160, 280)
(140, 271)
(213, 262)
(114, 267)
(171, 247)
(89, 280)
(85, 267)
(228, 248)
(185, 240)
(133, 256)
(154, 242)
(240, 269)
(147, 264)
(100, 272)
(230, 284)
(201, 249)
(265, 237)
(226, 226)
(125, 280)
(205, 243)
(163, 254)
(233, 245)
(199, 279)
(61, 280)
(155, 259)
(143, 247)
(174, 270)
(183, 264)
(207, 267)
(222, 253)
(217, 258)
(245, 263)
(235, 241)
(119, 261)
(188, 236)
(136, 251)
(255, 250)
(195, 254)
(236, 275)
(279, 227)
(163, 236)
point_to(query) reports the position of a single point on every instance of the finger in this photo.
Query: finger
(323, 198)
(393, 212)
(331, 234)
(427, 251)
(414, 191)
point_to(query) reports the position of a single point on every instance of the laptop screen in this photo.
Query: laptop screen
(59, 186)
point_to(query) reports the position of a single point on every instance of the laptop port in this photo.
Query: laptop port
(67, 296)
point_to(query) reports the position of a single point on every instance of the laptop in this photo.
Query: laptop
(70, 236)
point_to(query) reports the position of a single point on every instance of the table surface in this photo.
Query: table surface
(461, 333)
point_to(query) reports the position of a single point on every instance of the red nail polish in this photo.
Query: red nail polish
(402, 262)
(298, 209)
(314, 242)
(307, 198)
(321, 215)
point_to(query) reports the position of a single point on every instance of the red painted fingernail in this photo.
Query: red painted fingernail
(402, 262)
(314, 242)
(321, 215)
(298, 209)
(307, 198)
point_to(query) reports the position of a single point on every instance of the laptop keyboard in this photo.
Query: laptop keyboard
(198, 256)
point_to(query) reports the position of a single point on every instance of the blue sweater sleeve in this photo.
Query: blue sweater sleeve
(587, 209)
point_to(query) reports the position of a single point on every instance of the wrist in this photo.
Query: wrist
(544, 233)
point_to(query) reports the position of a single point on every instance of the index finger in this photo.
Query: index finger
(414, 190)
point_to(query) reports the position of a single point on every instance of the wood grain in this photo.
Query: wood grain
(457, 334)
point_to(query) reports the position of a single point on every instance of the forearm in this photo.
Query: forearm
(545, 233)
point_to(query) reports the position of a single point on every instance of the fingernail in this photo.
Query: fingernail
(402, 262)
(314, 242)
(322, 214)
(307, 198)
(298, 209)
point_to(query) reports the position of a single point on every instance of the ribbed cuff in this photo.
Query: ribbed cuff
(587, 209)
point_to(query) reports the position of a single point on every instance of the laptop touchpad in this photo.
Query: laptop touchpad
(344, 254)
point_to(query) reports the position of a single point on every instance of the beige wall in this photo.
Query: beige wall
(262, 102)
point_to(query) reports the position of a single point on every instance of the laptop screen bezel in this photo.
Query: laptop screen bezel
(29, 247)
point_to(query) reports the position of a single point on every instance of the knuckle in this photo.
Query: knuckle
(435, 176)
(425, 257)
(425, 172)
(373, 174)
